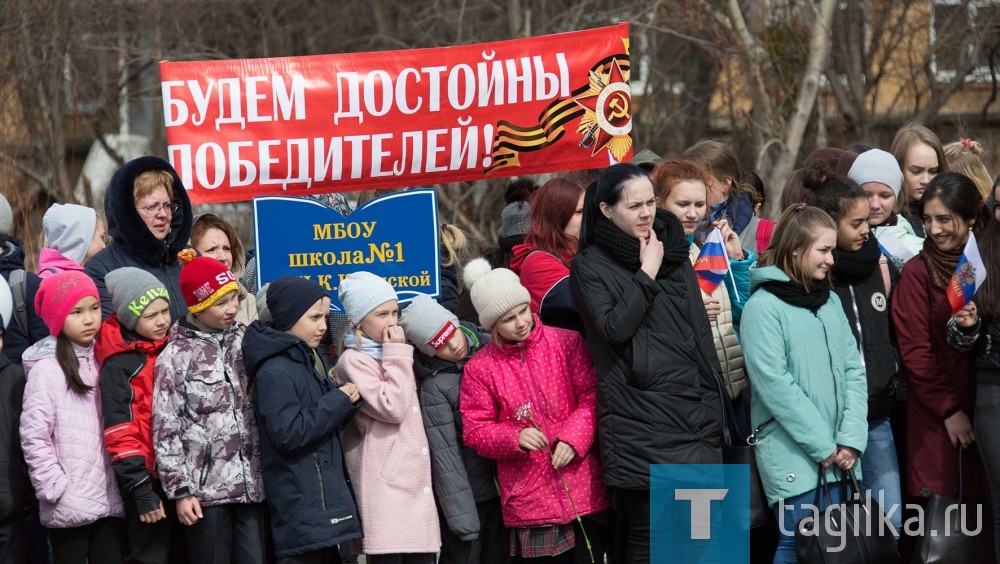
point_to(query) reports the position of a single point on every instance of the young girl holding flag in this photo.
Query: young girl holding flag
(941, 394)
(682, 188)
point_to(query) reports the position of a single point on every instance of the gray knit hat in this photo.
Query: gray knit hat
(6, 216)
(877, 166)
(362, 292)
(427, 324)
(132, 290)
(515, 219)
(494, 292)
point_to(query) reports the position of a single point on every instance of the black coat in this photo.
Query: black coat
(133, 244)
(461, 477)
(867, 308)
(14, 340)
(17, 498)
(301, 417)
(658, 390)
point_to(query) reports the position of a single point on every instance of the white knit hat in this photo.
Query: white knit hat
(427, 324)
(362, 292)
(494, 292)
(879, 166)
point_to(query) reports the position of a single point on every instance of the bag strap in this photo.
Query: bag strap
(958, 478)
(884, 266)
(19, 293)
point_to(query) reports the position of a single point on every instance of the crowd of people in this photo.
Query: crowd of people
(159, 407)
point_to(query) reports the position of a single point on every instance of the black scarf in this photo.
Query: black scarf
(625, 249)
(795, 295)
(856, 266)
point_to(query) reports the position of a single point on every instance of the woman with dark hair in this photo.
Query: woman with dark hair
(940, 398)
(542, 261)
(980, 333)
(862, 278)
(650, 339)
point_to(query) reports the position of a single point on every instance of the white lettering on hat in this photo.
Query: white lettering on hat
(442, 336)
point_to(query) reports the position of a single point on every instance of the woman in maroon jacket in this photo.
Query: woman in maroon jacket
(941, 389)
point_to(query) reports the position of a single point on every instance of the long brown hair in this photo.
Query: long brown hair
(70, 365)
(908, 135)
(796, 231)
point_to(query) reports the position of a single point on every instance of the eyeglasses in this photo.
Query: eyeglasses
(169, 207)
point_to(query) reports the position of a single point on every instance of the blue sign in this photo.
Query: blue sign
(395, 237)
(699, 513)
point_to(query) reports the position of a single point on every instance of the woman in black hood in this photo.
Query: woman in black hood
(149, 220)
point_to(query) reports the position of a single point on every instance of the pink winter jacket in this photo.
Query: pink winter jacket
(552, 371)
(62, 436)
(387, 455)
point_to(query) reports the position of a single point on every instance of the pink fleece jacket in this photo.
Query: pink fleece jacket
(553, 373)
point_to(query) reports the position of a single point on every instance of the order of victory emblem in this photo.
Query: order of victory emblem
(607, 119)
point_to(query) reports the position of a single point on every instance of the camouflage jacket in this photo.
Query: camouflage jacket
(204, 427)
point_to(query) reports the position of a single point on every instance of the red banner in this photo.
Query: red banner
(336, 123)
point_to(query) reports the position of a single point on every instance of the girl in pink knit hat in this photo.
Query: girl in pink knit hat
(62, 432)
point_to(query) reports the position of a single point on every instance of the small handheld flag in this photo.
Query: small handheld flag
(970, 273)
(712, 263)
(893, 248)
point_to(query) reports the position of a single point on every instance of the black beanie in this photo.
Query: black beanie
(289, 297)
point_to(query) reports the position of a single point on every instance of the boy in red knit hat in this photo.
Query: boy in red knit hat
(204, 429)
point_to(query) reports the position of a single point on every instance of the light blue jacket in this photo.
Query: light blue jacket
(809, 387)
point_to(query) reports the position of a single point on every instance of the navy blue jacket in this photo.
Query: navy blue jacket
(301, 417)
(133, 244)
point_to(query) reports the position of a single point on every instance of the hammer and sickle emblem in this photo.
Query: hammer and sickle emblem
(620, 106)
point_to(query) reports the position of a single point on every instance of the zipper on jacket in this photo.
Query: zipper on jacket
(239, 427)
(829, 356)
(319, 477)
(857, 323)
(206, 461)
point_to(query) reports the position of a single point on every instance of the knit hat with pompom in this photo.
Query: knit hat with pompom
(494, 291)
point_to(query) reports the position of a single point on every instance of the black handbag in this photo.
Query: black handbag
(847, 532)
(946, 533)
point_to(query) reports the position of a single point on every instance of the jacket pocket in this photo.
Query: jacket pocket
(205, 392)
(400, 473)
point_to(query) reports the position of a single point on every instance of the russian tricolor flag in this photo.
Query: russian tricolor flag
(712, 263)
(892, 248)
(970, 273)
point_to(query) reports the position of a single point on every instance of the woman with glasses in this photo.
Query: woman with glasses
(149, 220)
